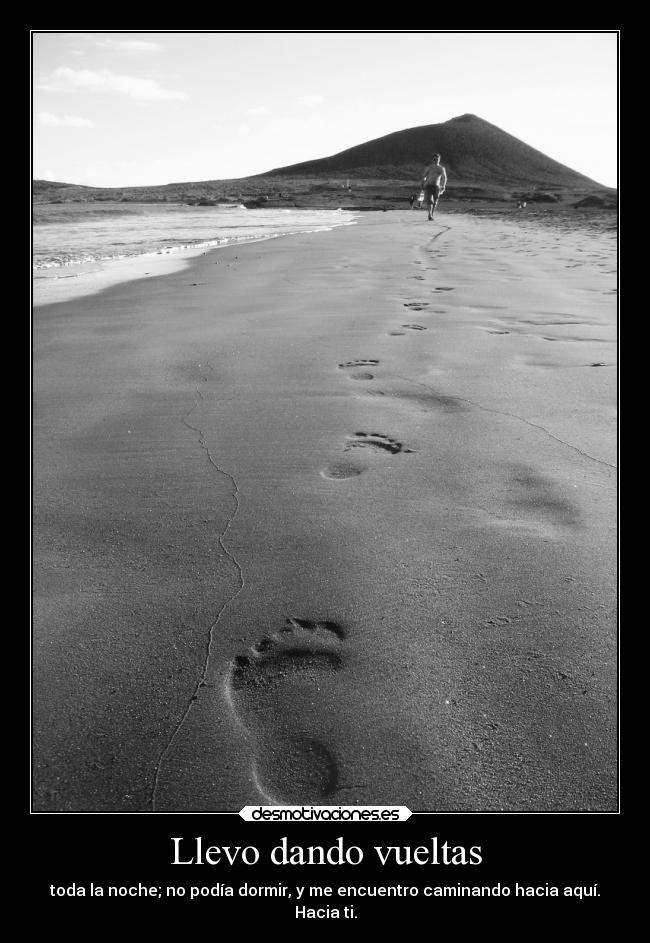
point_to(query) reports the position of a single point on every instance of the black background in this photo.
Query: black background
(127, 850)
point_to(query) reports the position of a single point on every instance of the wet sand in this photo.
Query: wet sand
(332, 518)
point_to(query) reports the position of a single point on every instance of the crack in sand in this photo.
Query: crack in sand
(208, 653)
(500, 412)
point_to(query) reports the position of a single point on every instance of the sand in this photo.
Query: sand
(332, 518)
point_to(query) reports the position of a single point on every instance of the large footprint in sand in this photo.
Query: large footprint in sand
(282, 692)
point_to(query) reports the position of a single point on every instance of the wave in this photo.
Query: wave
(88, 240)
(64, 262)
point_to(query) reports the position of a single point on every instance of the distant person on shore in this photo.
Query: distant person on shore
(434, 182)
(412, 199)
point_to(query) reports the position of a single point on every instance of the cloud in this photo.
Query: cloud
(102, 80)
(310, 101)
(128, 45)
(49, 120)
(260, 112)
(135, 47)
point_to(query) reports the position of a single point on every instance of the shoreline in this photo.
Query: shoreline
(333, 521)
(89, 278)
(50, 285)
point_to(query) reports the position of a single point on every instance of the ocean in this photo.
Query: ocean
(81, 248)
(74, 234)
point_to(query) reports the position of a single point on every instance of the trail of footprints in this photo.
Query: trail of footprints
(284, 688)
(412, 306)
(372, 441)
(297, 665)
(377, 442)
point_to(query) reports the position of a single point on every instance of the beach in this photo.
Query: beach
(331, 519)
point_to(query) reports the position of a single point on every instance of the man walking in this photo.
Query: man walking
(434, 182)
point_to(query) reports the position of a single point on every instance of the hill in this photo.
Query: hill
(473, 151)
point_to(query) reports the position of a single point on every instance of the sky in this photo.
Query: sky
(117, 109)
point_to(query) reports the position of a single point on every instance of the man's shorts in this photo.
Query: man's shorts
(433, 191)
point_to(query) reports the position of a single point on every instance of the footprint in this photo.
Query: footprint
(375, 441)
(361, 376)
(358, 363)
(338, 471)
(417, 305)
(498, 332)
(415, 327)
(283, 692)
(396, 333)
(443, 288)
